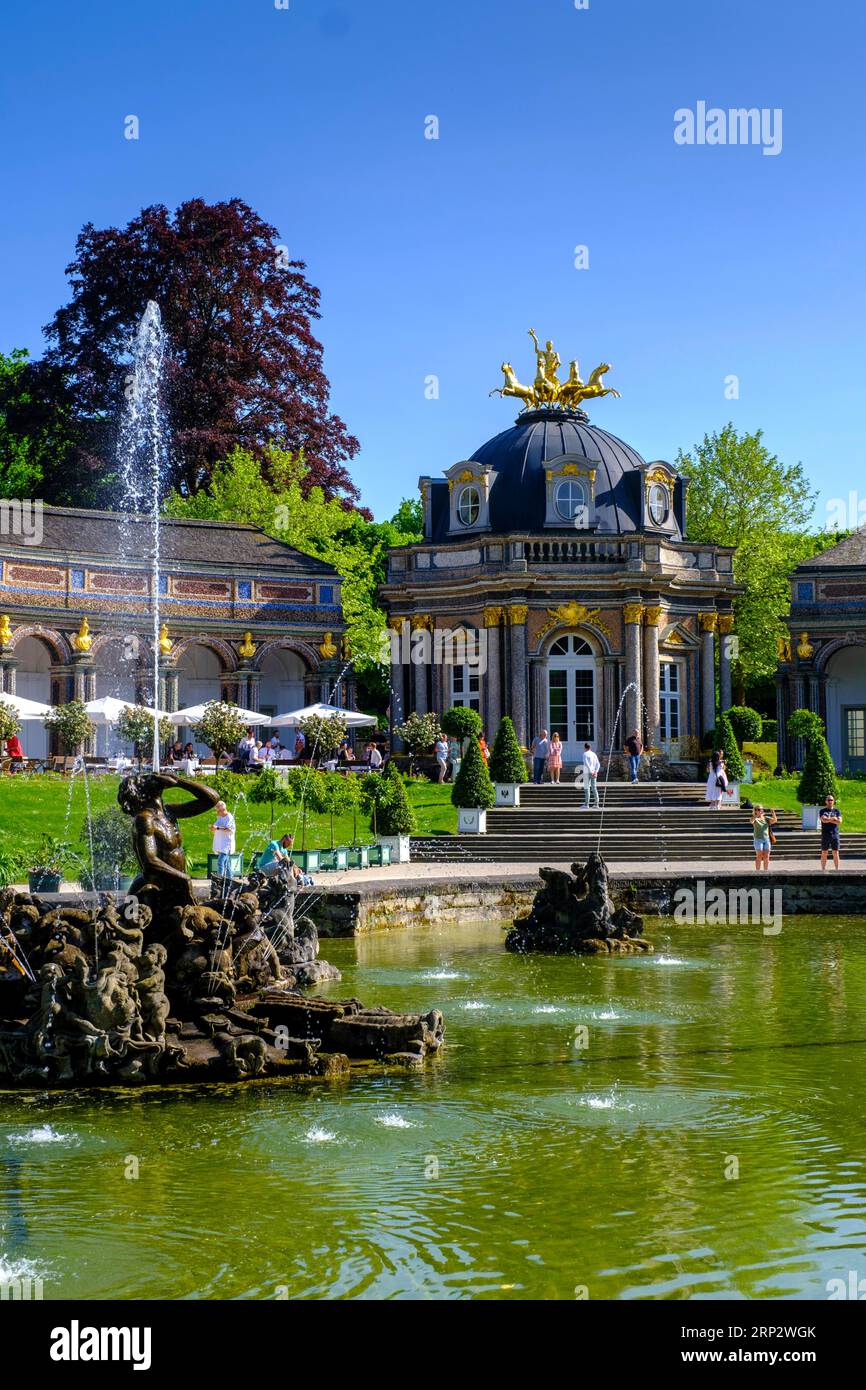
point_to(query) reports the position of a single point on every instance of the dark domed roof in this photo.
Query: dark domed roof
(519, 455)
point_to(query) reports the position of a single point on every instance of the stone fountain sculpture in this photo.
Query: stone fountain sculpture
(574, 914)
(161, 988)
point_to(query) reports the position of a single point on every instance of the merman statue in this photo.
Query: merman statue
(163, 883)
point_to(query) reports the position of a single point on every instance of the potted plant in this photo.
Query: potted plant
(71, 725)
(818, 779)
(726, 742)
(507, 768)
(135, 726)
(220, 728)
(109, 837)
(45, 875)
(394, 818)
(419, 732)
(307, 788)
(473, 793)
(323, 734)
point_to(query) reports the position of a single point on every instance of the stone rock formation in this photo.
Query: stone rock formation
(574, 914)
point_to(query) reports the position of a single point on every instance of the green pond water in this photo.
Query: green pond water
(518, 1165)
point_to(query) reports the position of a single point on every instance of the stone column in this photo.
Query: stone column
(492, 677)
(172, 691)
(651, 674)
(781, 722)
(517, 621)
(632, 614)
(708, 624)
(726, 627)
(7, 674)
(421, 622)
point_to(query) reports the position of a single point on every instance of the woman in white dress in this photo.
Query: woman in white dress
(716, 782)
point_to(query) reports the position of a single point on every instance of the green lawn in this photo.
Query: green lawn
(31, 807)
(781, 794)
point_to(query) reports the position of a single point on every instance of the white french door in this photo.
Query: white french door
(571, 710)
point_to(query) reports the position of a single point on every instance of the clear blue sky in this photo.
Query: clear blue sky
(434, 257)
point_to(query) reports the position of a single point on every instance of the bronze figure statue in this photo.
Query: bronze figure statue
(163, 882)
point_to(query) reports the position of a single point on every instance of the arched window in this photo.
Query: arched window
(468, 505)
(658, 503)
(570, 646)
(570, 499)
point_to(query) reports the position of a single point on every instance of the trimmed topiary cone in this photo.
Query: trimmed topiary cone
(473, 787)
(506, 760)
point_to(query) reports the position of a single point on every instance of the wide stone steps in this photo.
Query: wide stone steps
(655, 822)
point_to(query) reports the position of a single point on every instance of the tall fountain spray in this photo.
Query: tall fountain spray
(142, 457)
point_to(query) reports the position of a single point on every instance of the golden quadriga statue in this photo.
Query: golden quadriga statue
(547, 389)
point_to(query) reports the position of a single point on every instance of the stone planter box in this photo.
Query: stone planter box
(111, 883)
(334, 858)
(359, 856)
(811, 816)
(44, 883)
(732, 796)
(507, 793)
(306, 859)
(471, 820)
(236, 862)
(398, 846)
(378, 856)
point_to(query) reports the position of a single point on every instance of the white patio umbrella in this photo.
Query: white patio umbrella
(25, 709)
(353, 719)
(107, 709)
(193, 713)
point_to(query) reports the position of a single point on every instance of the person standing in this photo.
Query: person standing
(540, 752)
(716, 782)
(441, 751)
(762, 823)
(831, 819)
(554, 759)
(591, 766)
(223, 839)
(634, 748)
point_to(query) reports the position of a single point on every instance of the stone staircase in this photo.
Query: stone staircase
(653, 821)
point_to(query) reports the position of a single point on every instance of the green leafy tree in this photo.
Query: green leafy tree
(270, 790)
(394, 813)
(334, 797)
(473, 787)
(818, 778)
(324, 733)
(462, 723)
(419, 732)
(221, 727)
(71, 724)
(109, 835)
(727, 744)
(742, 495)
(9, 722)
(38, 435)
(135, 726)
(506, 759)
(745, 722)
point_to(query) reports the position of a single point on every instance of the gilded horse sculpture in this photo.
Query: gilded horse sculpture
(547, 389)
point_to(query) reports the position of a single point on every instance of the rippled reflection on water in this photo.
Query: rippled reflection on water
(519, 1165)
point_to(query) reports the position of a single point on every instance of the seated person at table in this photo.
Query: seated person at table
(175, 752)
(14, 751)
(345, 753)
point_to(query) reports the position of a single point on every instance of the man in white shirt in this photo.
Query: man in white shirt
(540, 750)
(591, 766)
(223, 839)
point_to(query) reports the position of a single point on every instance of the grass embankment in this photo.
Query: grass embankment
(781, 794)
(31, 807)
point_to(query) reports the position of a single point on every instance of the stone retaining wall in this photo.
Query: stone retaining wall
(420, 903)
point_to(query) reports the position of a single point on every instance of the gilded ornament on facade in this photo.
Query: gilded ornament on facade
(165, 642)
(82, 641)
(328, 647)
(632, 612)
(517, 613)
(652, 614)
(421, 622)
(804, 646)
(726, 623)
(547, 389)
(574, 614)
(247, 647)
(492, 616)
(5, 630)
(783, 648)
(396, 624)
(708, 621)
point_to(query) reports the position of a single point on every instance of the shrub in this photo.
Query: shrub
(461, 722)
(506, 760)
(11, 862)
(473, 787)
(394, 814)
(135, 726)
(72, 725)
(9, 722)
(269, 790)
(221, 727)
(420, 731)
(745, 722)
(769, 731)
(818, 779)
(324, 733)
(727, 743)
(110, 835)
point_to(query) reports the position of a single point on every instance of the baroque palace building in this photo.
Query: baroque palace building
(244, 617)
(822, 662)
(561, 554)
